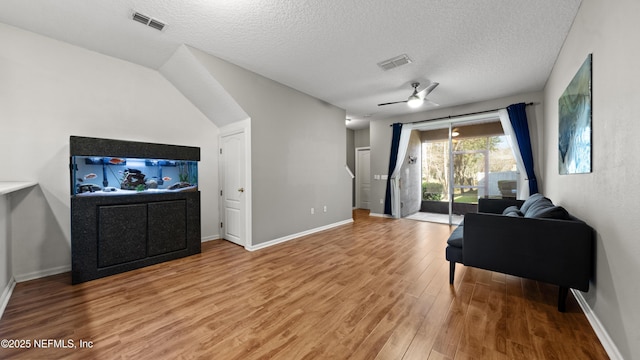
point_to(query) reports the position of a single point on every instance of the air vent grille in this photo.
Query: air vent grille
(141, 18)
(149, 21)
(156, 24)
(394, 62)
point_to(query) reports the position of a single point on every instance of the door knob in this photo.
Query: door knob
(241, 189)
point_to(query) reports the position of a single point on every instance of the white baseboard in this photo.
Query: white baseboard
(61, 269)
(602, 334)
(210, 238)
(381, 215)
(295, 236)
(6, 295)
(42, 273)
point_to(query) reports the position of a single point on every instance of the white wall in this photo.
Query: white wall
(606, 198)
(361, 138)
(50, 90)
(5, 247)
(298, 147)
(381, 136)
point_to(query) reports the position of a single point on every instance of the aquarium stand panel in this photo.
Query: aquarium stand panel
(111, 235)
(122, 234)
(167, 227)
(79, 145)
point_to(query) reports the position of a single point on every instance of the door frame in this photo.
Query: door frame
(239, 127)
(363, 148)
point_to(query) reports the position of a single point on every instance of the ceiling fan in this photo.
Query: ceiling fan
(418, 97)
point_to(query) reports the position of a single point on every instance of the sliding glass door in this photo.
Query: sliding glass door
(463, 162)
(470, 163)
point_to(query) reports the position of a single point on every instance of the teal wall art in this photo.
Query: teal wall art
(574, 135)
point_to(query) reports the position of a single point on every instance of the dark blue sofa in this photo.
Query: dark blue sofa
(533, 239)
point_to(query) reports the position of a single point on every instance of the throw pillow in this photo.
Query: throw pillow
(513, 214)
(530, 201)
(512, 211)
(538, 206)
(553, 212)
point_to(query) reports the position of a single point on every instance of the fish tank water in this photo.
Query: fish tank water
(109, 176)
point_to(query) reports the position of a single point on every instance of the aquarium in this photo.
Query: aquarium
(133, 204)
(108, 176)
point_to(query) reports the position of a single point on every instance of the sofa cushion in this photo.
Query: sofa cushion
(455, 239)
(512, 211)
(454, 254)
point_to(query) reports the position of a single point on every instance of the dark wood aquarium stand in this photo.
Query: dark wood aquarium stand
(114, 234)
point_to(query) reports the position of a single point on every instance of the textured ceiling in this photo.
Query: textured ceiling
(476, 50)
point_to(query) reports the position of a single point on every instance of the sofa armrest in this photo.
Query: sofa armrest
(496, 206)
(559, 252)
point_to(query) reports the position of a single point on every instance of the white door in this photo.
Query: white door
(232, 165)
(363, 178)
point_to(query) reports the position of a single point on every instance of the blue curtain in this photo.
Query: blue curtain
(393, 158)
(518, 118)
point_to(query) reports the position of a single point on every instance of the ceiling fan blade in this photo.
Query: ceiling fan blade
(395, 102)
(426, 91)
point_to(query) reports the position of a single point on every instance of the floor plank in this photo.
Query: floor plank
(374, 289)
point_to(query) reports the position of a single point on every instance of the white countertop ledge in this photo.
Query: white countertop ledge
(7, 187)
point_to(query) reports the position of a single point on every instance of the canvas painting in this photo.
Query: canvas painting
(574, 142)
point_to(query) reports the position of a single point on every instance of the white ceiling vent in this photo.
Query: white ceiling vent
(395, 62)
(149, 21)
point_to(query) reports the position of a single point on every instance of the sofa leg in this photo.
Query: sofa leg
(562, 298)
(452, 271)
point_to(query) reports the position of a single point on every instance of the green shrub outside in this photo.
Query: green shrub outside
(432, 191)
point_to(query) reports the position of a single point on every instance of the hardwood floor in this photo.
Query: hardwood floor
(374, 289)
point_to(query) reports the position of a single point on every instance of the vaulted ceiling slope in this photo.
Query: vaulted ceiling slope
(191, 77)
(329, 49)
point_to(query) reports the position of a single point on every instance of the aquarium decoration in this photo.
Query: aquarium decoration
(103, 167)
(120, 176)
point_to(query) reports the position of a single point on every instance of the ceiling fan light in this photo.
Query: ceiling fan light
(414, 101)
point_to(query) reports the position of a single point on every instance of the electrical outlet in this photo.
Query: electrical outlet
(325, 208)
(381, 201)
(313, 211)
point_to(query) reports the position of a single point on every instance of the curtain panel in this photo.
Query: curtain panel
(393, 158)
(516, 128)
(396, 176)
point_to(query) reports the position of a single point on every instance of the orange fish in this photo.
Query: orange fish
(166, 178)
(116, 161)
(90, 176)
